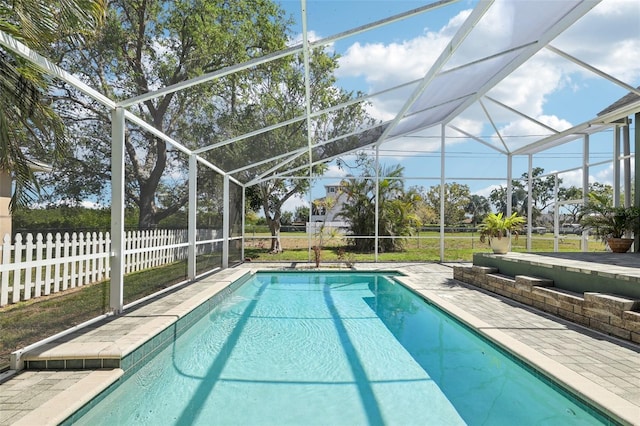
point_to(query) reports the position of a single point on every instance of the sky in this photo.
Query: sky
(548, 87)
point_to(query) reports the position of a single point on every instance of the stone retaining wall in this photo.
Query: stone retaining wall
(614, 315)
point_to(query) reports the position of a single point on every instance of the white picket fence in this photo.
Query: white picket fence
(46, 264)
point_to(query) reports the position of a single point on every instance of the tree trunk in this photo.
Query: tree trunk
(146, 216)
(274, 226)
(148, 180)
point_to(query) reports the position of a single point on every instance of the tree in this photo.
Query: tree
(542, 192)
(286, 218)
(602, 191)
(28, 124)
(152, 44)
(301, 214)
(571, 193)
(270, 196)
(423, 210)
(396, 214)
(278, 95)
(498, 198)
(478, 207)
(251, 217)
(456, 200)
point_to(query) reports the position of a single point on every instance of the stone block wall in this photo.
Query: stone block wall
(614, 315)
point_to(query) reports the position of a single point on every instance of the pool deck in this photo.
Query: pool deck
(605, 370)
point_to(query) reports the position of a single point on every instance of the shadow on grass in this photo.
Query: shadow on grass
(25, 323)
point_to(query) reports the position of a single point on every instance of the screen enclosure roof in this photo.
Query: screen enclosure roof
(462, 80)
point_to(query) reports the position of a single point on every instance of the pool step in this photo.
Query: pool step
(615, 315)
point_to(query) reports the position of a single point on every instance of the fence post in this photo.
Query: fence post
(39, 247)
(74, 265)
(81, 265)
(28, 278)
(6, 259)
(65, 266)
(17, 276)
(94, 259)
(27, 271)
(102, 249)
(56, 269)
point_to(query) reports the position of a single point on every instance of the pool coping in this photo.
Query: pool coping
(127, 345)
(72, 399)
(594, 394)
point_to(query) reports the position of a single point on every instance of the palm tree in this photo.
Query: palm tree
(396, 209)
(26, 118)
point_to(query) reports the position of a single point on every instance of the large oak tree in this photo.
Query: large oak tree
(146, 45)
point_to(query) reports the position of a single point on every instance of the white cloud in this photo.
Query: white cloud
(293, 203)
(388, 65)
(485, 192)
(527, 88)
(607, 38)
(311, 37)
(336, 172)
(542, 88)
(571, 178)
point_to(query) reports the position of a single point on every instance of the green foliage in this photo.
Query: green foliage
(606, 221)
(498, 225)
(286, 218)
(541, 194)
(278, 95)
(498, 197)
(68, 219)
(29, 127)
(251, 217)
(152, 44)
(478, 207)
(571, 193)
(541, 191)
(456, 198)
(396, 216)
(301, 214)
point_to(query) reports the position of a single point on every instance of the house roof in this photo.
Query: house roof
(628, 99)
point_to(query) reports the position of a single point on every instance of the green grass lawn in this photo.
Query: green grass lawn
(458, 247)
(24, 323)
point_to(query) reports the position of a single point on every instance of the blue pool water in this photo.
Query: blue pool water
(332, 349)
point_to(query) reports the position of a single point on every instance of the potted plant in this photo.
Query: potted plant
(497, 228)
(612, 225)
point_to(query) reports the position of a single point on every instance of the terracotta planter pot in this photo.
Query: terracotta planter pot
(500, 245)
(620, 245)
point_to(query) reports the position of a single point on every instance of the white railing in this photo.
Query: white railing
(46, 264)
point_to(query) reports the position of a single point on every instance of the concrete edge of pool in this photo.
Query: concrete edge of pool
(129, 342)
(601, 398)
(70, 400)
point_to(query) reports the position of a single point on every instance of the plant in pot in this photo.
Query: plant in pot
(497, 228)
(612, 225)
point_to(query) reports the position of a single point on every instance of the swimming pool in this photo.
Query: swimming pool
(335, 348)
